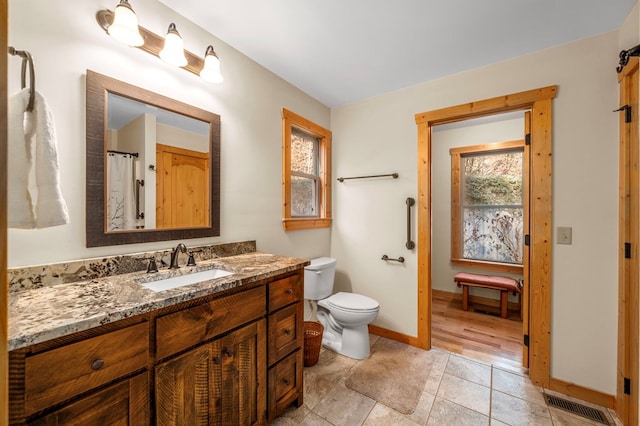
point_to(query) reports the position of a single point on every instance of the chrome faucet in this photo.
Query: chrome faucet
(174, 255)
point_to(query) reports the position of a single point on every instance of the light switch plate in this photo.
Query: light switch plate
(563, 235)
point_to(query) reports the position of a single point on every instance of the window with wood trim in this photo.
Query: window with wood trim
(487, 206)
(306, 173)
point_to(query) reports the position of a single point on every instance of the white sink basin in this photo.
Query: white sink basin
(187, 279)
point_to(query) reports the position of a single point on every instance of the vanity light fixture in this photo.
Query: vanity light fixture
(125, 25)
(173, 50)
(170, 50)
(211, 70)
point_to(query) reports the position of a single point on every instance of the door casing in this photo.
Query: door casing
(539, 102)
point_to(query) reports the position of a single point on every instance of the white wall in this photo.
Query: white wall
(498, 128)
(379, 135)
(66, 41)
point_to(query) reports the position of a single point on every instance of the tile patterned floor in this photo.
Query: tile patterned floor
(459, 391)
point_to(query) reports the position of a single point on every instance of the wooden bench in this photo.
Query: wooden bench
(503, 284)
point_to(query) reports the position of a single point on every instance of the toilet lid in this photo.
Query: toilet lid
(351, 301)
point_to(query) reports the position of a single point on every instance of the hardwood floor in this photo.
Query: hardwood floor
(481, 336)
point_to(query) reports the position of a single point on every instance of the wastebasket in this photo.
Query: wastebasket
(312, 342)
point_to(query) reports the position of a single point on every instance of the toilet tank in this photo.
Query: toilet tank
(318, 278)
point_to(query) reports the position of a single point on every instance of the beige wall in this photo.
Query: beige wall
(173, 136)
(66, 41)
(379, 135)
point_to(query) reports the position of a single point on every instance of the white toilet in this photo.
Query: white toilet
(345, 316)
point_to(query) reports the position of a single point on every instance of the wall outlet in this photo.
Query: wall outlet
(563, 235)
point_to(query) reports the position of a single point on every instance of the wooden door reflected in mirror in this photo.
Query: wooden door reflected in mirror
(182, 187)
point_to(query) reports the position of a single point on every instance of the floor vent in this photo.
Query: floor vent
(575, 408)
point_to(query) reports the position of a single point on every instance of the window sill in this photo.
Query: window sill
(489, 266)
(296, 224)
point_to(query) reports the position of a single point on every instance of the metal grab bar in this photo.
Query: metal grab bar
(410, 244)
(400, 259)
(139, 214)
(393, 175)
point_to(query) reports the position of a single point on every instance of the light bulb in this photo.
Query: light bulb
(173, 51)
(211, 70)
(125, 25)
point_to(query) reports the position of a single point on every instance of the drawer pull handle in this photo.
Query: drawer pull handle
(97, 364)
(228, 352)
(289, 291)
(287, 382)
(287, 331)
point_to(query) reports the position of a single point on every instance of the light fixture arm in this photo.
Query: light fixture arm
(210, 51)
(153, 43)
(173, 30)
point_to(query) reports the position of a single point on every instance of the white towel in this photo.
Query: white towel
(25, 128)
(18, 196)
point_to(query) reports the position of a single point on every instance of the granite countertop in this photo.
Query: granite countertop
(45, 313)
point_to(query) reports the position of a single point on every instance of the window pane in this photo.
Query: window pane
(493, 234)
(303, 196)
(304, 153)
(492, 179)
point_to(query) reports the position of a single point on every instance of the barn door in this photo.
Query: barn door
(524, 297)
(628, 249)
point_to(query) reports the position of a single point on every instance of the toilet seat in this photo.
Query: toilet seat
(350, 302)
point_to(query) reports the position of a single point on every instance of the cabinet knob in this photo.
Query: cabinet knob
(287, 331)
(289, 291)
(287, 382)
(217, 360)
(228, 352)
(97, 364)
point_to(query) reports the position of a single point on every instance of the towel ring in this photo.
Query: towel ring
(26, 59)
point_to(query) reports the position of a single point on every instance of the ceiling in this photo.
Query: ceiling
(343, 51)
(121, 111)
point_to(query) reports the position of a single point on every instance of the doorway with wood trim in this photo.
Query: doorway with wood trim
(629, 243)
(538, 287)
(479, 222)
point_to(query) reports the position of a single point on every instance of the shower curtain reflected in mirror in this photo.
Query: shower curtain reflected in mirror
(120, 192)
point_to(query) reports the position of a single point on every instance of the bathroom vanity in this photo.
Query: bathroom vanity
(109, 351)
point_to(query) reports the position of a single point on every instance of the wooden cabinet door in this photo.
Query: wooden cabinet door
(239, 388)
(182, 388)
(125, 403)
(219, 383)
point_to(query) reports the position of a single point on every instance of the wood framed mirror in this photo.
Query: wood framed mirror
(153, 166)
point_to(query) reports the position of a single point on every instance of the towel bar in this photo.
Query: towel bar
(393, 175)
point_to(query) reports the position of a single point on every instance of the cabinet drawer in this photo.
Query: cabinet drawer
(183, 329)
(285, 384)
(285, 292)
(286, 332)
(59, 374)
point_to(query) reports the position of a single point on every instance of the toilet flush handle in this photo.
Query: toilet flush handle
(318, 272)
